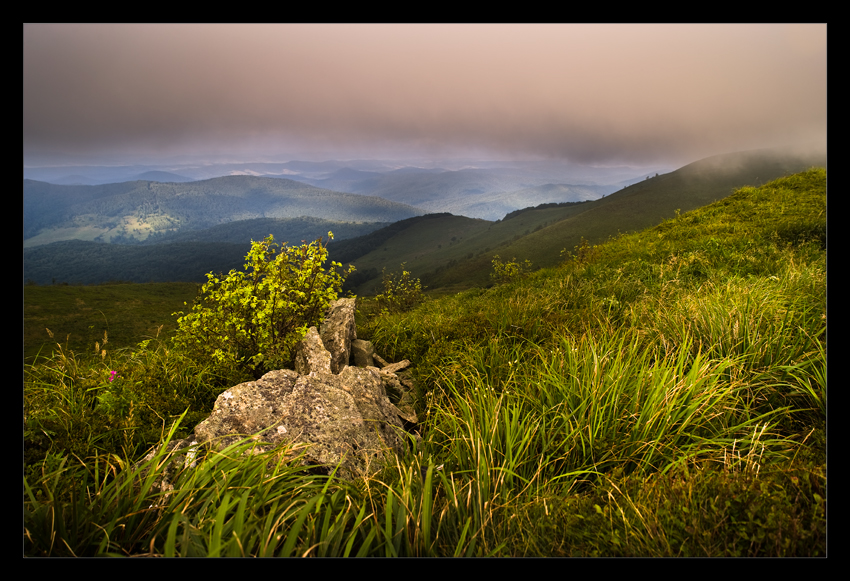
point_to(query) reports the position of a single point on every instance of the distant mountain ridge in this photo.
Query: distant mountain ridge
(473, 188)
(477, 193)
(140, 208)
(161, 176)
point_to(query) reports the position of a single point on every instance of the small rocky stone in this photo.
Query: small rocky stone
(338, 331)
(311, 355)
(362, 352)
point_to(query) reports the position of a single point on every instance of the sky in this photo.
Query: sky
(592, 94)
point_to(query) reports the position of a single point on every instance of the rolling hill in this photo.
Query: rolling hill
(540, 234)
(141, 208)
(178, 257)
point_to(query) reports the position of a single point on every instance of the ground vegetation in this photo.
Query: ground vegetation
(659, 394)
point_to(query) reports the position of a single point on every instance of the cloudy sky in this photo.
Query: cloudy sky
(599, 94)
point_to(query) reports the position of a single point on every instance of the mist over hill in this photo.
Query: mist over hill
(473, 188)
(315, 171)
(487, 192)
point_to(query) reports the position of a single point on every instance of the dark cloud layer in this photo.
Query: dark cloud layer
(589, 93)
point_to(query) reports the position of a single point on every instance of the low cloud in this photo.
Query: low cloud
(589, 93)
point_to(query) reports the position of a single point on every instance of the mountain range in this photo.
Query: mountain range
(139, 209)
(474, 188)
(219, 217)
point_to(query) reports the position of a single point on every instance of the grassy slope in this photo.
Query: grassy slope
(636, 207)
(738, 289)
(424, 245)
(429, 246)
(718, 236)
(541, 234)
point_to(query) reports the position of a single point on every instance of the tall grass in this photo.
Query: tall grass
(596, 405)
(230, 505)
(114, 401)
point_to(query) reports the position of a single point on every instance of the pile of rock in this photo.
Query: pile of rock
(343, 405)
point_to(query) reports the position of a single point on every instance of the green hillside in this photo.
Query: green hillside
(540, 234)
(142, 208)
(633, 208)
(559, 375)
(181, 256)
(83, 262)
(426, 242)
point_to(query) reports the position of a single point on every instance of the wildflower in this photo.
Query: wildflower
(113, 375)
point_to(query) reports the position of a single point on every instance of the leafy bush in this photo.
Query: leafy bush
(254, 319)
(584, 253)
(401, 291)
(506, 271)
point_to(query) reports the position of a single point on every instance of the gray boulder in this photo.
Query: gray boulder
(342, 417)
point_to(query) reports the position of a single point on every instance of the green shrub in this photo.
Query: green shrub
(584, 253)
(401, 291)
(506, 271)
(254, 319)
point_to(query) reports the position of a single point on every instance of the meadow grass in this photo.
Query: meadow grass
(79, 315)
(663, 396)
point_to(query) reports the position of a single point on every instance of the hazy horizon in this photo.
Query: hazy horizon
(640, 95)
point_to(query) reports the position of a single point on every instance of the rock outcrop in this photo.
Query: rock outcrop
(345, 417)
(338, 331)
